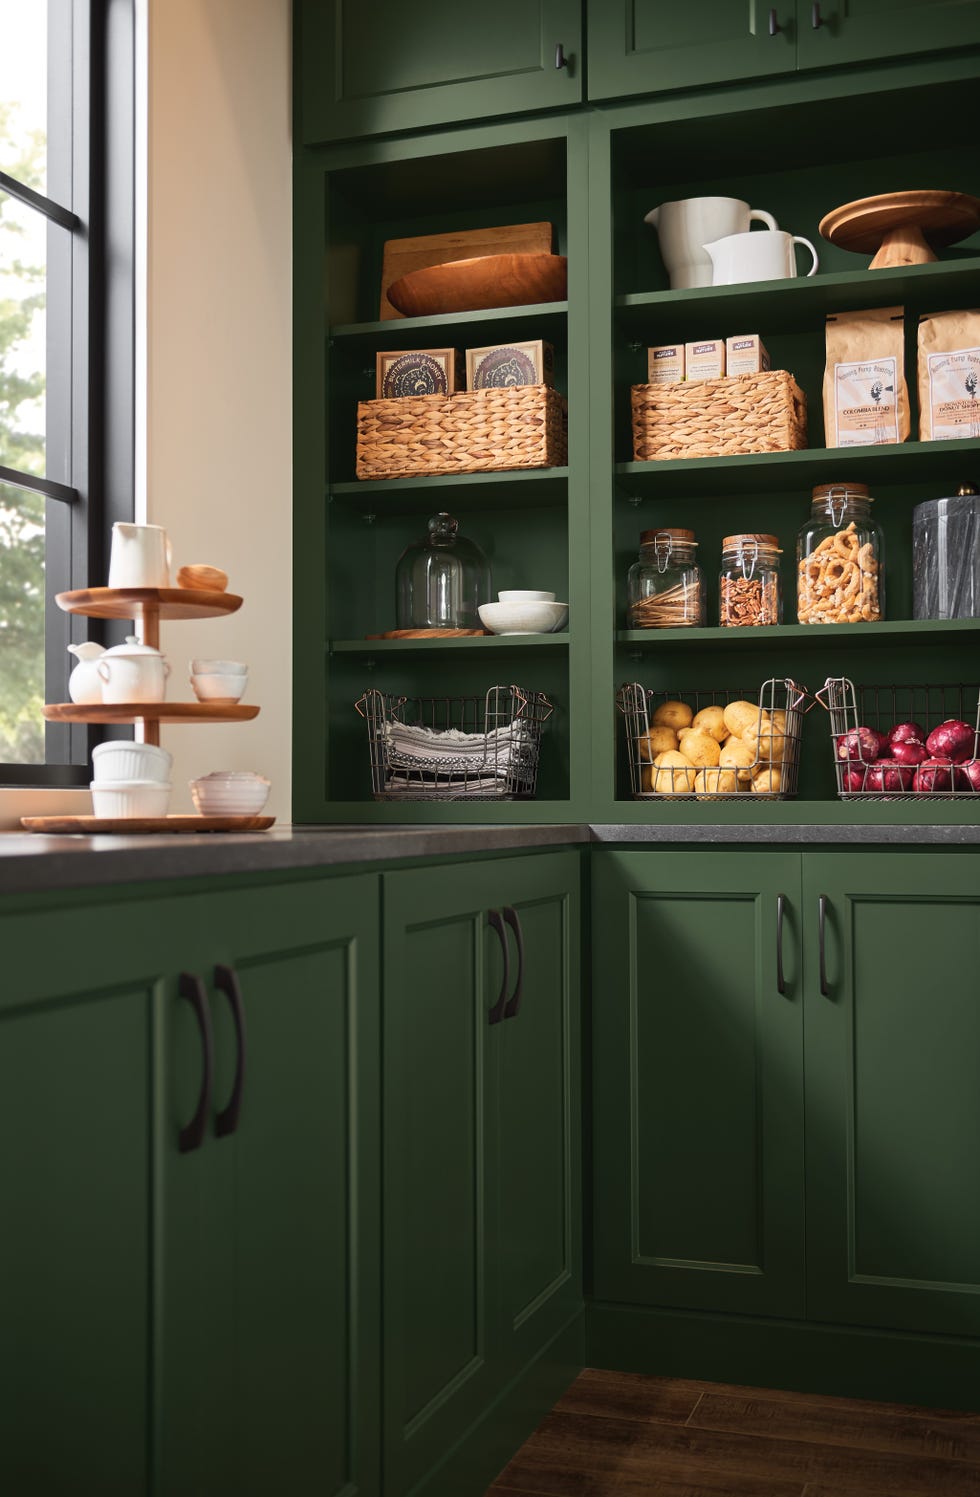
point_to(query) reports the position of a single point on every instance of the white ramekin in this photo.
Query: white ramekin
(131, 761)
(130, 798)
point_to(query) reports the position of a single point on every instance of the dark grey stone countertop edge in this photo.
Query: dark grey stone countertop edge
(32, 864)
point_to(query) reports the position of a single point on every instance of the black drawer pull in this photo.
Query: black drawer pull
(816, 19)
(514, 921)
(496, 923)
(822, 928)
(192, 988)
(780, 975)
(226, 981)
(561, 61)
(774, 25)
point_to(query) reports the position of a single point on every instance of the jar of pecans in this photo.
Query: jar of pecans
(748, 584)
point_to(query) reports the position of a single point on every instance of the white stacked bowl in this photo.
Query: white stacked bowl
(219, 680)
(131, 780)
(130, 798)
(230, 792)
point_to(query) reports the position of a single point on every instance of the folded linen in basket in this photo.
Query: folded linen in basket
(451, 751)
(405, 784)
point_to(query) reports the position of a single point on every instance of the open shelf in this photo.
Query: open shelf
(798, 303)
(495, 642)
(510, 489)
(896, 463)
(929, 633)
(506, 323)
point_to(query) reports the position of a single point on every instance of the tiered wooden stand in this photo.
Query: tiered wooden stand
(146, 606)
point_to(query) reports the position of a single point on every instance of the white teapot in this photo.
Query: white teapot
(84, 683)
(133, 673)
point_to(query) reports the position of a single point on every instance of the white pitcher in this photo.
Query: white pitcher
(757, 257)
(140, 556)
(685, 227)
(84, 683)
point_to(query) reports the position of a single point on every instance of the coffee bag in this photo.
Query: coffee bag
(865, 397)
(949, 376)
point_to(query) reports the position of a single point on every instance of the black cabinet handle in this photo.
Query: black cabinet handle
(774, 25)
(496, 923)
(226, 981)
(514, 921)
(822, 927)
(561, 61)
(192, 988)
(816, 19)
(780, 975)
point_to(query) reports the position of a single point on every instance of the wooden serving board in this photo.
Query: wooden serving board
(139, 602)
(429, 634)
(139, 825)
(404, 255)
(164, 712)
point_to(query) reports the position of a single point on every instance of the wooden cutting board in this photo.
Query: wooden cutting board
(404, 255)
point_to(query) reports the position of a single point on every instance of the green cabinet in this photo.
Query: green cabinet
(892, 1102)
(370, 69)
(701, 1076)
(653, 46)
(191, 1300)
(697, 1054)
(481, 1254)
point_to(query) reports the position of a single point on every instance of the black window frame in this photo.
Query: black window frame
(91, 105)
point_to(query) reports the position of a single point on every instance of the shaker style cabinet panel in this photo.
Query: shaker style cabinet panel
(650, 46)
(83, 1003)
(697, 1056)
(367, 69)
(892, 1101)
(842, 31)
(481, 1257)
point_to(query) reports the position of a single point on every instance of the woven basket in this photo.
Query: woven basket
(719, 417)
(478, 431)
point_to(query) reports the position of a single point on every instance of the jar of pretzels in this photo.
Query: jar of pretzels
(666, 589)
(840, 559)
(748, 583)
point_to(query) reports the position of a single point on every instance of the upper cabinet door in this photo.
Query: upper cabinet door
(371, 69)
(650, 46)
(843, 31)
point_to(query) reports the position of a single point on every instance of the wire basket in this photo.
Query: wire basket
(455, 748)
(763, 754)
(854, 710)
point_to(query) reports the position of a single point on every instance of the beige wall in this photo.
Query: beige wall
(218, 354)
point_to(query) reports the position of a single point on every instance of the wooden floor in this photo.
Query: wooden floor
(617, 1435)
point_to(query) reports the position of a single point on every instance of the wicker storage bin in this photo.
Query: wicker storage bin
(719, 417)
(478, 431)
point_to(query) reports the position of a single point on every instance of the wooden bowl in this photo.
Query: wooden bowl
(480, 284)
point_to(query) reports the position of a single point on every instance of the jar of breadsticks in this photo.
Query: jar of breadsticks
(666, 588)
(840, 559)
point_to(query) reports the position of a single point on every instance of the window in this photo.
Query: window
(66, 351)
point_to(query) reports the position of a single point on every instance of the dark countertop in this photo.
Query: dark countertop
(32, 864)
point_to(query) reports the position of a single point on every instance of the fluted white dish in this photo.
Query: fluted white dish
(524, 618)
(230, 792)
(131, 761)
(130, 798)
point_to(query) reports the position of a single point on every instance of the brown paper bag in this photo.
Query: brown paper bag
(865, 397)
(949, 376)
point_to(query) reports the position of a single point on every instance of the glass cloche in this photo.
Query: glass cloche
(441, 580)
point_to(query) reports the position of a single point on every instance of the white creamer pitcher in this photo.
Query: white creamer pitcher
(140, 556)
(685, 227)
(85, 683)
(756, 257)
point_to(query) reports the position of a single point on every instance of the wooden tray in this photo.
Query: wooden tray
(139, 602)
(429, 634)
(138, 825)
(163, 712)
(902, 228)
(401, 256)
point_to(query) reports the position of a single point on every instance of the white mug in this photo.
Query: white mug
(140, 556)
(685, 227)
(757, 257)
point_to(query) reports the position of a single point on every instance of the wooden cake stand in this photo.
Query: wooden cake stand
(902, 228)
(146, 606)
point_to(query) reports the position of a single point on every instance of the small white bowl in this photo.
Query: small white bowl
(130, 798)
(130, 761)
(219, 689)
(218, 668)
(525, 595)
(524, 618)
(230, 792)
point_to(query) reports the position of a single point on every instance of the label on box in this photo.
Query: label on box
(705, 360)
(665, 365)
(747, 355)
(954, 385)
(425, 371)
(505, 366)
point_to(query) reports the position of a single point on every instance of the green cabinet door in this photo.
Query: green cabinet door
(863, 30)
(85, 1090)
(697, 1056)
(481, 1256)
(892, 1101)
(289, 1253)
(369, 69)
(651, 46)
